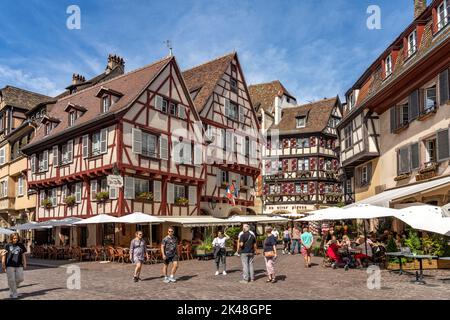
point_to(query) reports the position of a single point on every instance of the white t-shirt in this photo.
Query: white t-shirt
(275, 233)
(220, 242)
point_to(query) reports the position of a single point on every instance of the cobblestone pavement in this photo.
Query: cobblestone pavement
(196, 280)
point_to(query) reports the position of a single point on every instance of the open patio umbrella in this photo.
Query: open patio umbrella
(332, 213)
(99, 219)
(30, 226)
(6, 231)
(141, 218)
(426, 218)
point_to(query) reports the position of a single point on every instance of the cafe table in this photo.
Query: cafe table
(420, 257)
(398, 255)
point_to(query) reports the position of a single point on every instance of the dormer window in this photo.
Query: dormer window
(443, 14)
(48, 128)
(300, 122)
(351, 101)
(106, 103)
(412, 43)
(72, 118)
(388, 66)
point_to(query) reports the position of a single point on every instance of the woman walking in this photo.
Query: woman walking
(270, 254)
(138, 254)
(220, 252)
(14, 262)
(287, 241)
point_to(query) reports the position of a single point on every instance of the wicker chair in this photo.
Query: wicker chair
(120, 254)
(95, 253)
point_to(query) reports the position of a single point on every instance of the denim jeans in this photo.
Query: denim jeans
(247, 265)
(15, 277)
(295, 243)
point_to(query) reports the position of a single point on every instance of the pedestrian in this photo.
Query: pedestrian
(296, 232)
(307, 241)
(169, 252)
(248, 249)
(14, 262)
(287, 241)
(275, 233)
(270, 254)
(238, 241)
(220, 252)
(138, 254)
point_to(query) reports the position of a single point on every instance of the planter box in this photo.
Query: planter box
(426, 265)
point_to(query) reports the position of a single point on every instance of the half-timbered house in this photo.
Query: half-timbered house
(139, 125)
(221, 97)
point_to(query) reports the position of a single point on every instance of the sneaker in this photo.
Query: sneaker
(224, 273)
(135, 279)
(166, 280)
(217, 273)
(243, 281)
(172, 279)
(289, 253)
(13, 296)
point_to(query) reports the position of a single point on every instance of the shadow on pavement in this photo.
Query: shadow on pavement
(152, 278)
(36, 293)
(27, 285)
(185, 278)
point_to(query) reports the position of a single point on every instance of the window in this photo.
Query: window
(48, 128)
(231, 110)
(430, 98)
(67, 152)
(161, 104)
(302, 143)
(443, 14)
(430, 147)
(72, 118)
(404, 161)
(234, 85)
(274, 189)
(99, 142)
(106, 103)
(348, 136)
(298, 188)
(364, 175)
(404, 115)
(20, 186)
(303, 164)
(412, 43)
(141, 186)
(2, 155)
(149, 147)
(328, 165)
(78, 191)
(333, 122)
(351, 100)
(300, 122)
(52, 197)
(388, 65)
(224, 177)
(4, 188)
(348, 186)
(180, 192)
(173, 109)
(182, 152)
(43, 161)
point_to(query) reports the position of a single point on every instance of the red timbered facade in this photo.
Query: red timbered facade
(231, 127)
(139, 125)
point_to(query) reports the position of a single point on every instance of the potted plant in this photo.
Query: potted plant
(148, 196)
(206, 247)
(47, 204)
(102, 196)
(70, 201)
(181, 201)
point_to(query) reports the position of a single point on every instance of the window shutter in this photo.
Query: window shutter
(253, 150)
(53, 197)
(93, 189)
(192, 195)
(415, 160)
(70, 150)
(113, 192)
(41, 197)
(55, 156)
(85, 142)
(241, 114)
(187, 153)
(181, 112)
(443, 150)
(444, 90)
(226, 104)
(369, 172)
(45, 160)
(219, 177)
(393, 119)
(157, 191)
(33, 163)
(228, 141)
(2, 156)
(78, 189)
(170, 193)
(158, 102)
(413, 105)
(136, 136)
(104, 140)
(404, 160)
(198, 154)
(129, 188)
(164, 147)
(64, 192)
(358, 176)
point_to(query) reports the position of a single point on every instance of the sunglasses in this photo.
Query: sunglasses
(170, 231)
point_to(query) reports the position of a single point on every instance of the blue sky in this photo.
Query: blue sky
(316, 48)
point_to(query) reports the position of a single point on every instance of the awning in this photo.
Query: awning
(60, 223)
(30, 226)
(257, 219)
(385, 198)
(199, 221)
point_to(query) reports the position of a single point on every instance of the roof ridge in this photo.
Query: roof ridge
(210, 61)
(264, 83)
(115, 78)
(315, 102)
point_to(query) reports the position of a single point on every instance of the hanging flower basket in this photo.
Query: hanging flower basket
(70, 201)
(146, 196)
(102, 196)
(181, 201)
(47, 204)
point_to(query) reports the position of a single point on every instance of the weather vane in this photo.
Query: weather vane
(168, 44)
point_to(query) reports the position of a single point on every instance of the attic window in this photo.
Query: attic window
(72, 118)
(106, 103)
(300, 122)
(443, 14)
(233, 85)
(412, 43)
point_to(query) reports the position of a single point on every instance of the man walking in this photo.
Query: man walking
(295, 239)
(169, 252)
(248, 249)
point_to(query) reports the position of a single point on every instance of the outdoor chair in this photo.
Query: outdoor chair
(186, 252)
(111, 253)
(94, 253)
(52, 252)
(119, 254)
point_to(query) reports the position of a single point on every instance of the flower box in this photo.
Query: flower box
(402, 176)
(102, 196)
(181, 201)
(145, 196)
(47, 204)
(70, 201)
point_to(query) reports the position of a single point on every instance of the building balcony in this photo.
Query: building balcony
(7, 203)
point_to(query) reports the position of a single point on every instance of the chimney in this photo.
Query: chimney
(77, 79)
(277, 110)
(113, 62)
(419, 7)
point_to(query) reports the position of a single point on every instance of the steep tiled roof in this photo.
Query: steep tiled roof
(317, 114)
(205, 77)
(263, 94)
(130, 84)
(21, 98)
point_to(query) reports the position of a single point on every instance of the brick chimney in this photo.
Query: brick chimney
(113, 62)
(77, 79)
(419, 7)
